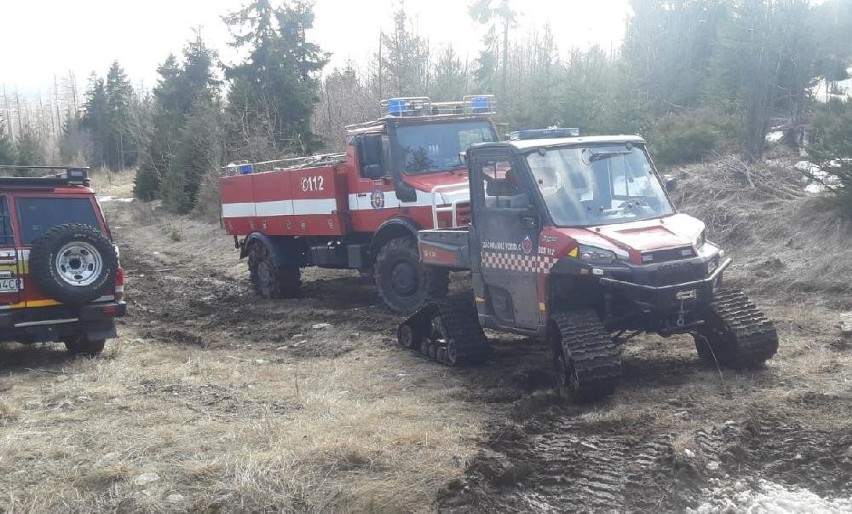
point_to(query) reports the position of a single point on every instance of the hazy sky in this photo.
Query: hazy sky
(40, 38)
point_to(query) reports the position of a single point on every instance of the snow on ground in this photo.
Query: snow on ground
(114, 199)
(775, 136)
(821, 92)
(769, 497)
(822, 177)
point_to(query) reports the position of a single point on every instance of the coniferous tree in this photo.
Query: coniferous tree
(451, 80)
(121, 149)
(404, 60)
(273, 93)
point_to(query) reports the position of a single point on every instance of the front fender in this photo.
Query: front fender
(392, 229)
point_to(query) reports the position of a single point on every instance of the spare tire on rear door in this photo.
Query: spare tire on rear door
(73, 263)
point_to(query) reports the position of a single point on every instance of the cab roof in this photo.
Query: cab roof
(526, 144)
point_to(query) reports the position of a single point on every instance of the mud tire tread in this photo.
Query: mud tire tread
(286, 281)
(434, 282)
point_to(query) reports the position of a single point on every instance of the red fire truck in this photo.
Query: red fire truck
(362, 209)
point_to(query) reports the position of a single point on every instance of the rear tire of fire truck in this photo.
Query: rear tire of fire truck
(80, 346)
(404, 283)
(587, 359)
(269, 280)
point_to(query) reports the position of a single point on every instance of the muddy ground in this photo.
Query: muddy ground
(677, 435)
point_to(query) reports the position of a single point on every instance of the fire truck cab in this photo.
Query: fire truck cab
(362, 209)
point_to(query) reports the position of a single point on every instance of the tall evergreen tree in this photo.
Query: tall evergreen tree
(499, 18)
(451, 78)
(181, 90)
(121, 151)
(273, 93)
(404, 61)
(95, 119)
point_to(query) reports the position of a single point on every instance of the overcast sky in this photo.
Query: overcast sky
(43, 38)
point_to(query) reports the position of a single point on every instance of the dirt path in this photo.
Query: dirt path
(215, 399)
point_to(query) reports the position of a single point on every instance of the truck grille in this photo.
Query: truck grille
(672, 254)
(677, 273)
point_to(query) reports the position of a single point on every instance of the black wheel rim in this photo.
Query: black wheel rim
(406, 336)
(404, 278)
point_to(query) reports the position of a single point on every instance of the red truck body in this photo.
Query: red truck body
(399, 174)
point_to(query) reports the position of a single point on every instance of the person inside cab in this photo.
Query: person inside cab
(562, 200)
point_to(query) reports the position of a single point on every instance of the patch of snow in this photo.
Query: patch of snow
(820, 91)
(775, 136)
(769, 497)
(114, 199)
(822, 177)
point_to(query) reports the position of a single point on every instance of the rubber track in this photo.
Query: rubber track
(597, 359)
(754, 336)
(461, 322)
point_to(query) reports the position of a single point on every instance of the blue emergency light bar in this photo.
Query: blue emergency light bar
(548, 133)
(423, 106)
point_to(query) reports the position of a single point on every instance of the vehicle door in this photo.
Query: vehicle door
(11, 282)
(506, 231)
(374, 188)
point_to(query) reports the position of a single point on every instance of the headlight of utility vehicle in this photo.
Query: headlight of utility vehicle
(701, 239)
(595, 255)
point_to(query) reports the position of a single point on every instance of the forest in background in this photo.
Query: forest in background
(697, 78)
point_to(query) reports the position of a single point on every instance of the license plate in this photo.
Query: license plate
(692, 294)
(9, 285)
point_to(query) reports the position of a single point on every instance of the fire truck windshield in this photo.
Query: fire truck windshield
(431, 147)
(608, 183)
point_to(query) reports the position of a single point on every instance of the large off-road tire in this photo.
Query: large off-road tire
(73, 264)
(269, 280)
(404, 283)
(735, 334)
(80, 346)
(587, 359)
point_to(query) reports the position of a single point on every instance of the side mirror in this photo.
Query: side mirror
(670, 183)
(373, 171)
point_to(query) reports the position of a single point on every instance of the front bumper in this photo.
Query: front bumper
(670, 296)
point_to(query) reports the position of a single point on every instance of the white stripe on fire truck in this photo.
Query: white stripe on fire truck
(362, 203)
(328, 205)
(279, 208)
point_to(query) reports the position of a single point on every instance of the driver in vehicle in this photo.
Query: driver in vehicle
(562, 202)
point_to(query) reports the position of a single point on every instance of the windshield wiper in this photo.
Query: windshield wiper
(598, 156)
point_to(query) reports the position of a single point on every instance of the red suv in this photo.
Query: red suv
(60, 278)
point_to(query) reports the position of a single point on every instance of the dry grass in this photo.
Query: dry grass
(234, 434)
(783, 240)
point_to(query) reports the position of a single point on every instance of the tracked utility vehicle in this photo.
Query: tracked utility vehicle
(575, 240)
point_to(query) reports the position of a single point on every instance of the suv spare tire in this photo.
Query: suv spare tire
(73, 264)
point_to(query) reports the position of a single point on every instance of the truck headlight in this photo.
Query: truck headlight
(700, 240)
(712, 264)
(595, 255)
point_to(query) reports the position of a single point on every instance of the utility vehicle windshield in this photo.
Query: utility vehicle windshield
(430, 147)
(599, 184)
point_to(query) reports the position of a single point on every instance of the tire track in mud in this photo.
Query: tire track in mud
(563, 464)
(202, 307)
